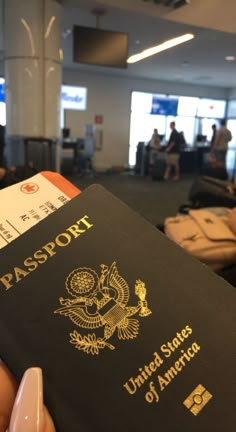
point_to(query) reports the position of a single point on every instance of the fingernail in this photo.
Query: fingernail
(27, 414)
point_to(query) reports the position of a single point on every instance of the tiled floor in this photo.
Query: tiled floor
(153, 200)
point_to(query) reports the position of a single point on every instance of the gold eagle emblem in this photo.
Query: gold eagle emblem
(102, 301)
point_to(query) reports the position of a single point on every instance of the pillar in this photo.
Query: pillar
(33, 70)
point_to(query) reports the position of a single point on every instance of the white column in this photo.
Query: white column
(33, 68)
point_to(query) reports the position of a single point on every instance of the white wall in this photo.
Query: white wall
(110, 96)
(232, 93)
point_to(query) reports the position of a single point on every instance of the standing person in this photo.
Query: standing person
(182, 140)
(155, 145)
(173, 153)
(220, 145)
(214, 130)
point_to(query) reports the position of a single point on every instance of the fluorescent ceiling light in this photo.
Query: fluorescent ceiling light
(230, 58)
(159, 48)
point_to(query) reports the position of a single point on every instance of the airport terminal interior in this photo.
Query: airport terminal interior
(109, 321)
(87, 110)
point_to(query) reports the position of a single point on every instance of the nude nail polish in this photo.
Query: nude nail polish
(27, 414)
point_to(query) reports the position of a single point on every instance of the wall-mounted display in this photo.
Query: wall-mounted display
(211, 108)
(100, 47)
(164, 105)
(2, 90)
(74, 98)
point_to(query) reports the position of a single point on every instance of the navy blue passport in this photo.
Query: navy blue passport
(131, 332)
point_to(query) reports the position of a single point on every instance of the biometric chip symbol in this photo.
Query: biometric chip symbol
(197, 400)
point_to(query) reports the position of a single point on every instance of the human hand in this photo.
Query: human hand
(2, 173)
(23, 410)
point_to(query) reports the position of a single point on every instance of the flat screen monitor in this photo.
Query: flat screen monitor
(201, 138)
(2, 90)
(66, 133)
(164, 106)
(100, 47)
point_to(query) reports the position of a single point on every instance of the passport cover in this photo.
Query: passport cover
(131, 332)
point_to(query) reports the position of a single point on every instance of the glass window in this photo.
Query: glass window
(187, 106)
(141, 102)
(192, 115)
(206, 127)
(231, 125)
(3, 113)
(231, 153)
(211, 108)
(231, 112)
(141, 129)
(187, 126)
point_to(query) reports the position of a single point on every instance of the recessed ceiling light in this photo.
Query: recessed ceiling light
(230, 58)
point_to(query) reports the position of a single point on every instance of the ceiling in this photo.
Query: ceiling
(200, 61)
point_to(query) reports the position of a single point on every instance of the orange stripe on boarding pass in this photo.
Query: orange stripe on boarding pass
(61, 183)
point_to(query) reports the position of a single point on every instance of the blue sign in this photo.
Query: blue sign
(164, 106)
(2, 92)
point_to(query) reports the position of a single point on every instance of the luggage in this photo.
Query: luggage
(205, 235)
(40, 153)
(218, 172)
(159, 167)
(140, 153)
(214, 168)
(211, 192)
(229, 274)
